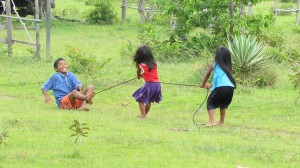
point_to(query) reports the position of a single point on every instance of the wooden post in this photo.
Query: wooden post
(142, 10)
(124, 3)
(231, 27)
(9, 28)
(48, 19)
(297, 14)
(250, 8)
(37, 29)
(275, 11)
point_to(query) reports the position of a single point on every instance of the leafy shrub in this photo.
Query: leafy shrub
(287, 1)
(90, 2)
(3, 50)
(261, 78)
(81, 62)
(247, 54)
(103, 13)
(273, 36)
(276, 54)
(254, 24)
(295, 76)
(264, 77)
(296, 29)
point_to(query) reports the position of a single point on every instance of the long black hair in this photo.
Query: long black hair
(144, 55)
(223, 59)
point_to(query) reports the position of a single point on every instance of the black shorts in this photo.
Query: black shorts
(220, 97)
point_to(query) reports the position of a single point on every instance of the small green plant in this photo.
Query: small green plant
(3, 137)
(103, 13)
(80, 130)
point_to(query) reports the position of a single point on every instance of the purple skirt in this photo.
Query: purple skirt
(150, 92)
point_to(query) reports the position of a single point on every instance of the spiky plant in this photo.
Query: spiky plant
(247, 54)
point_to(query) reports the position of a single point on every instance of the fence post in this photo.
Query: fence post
(142, 10)
(250, 8)
(297, 15)
(275, 11)
(9, 28)
(124, 3)
(37, 29)
(48, 19)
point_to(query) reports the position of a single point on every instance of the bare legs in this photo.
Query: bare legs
(211, 114)
(87, 95)
(144, 109)
(222, 116)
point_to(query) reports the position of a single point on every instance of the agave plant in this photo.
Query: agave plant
(247, 54)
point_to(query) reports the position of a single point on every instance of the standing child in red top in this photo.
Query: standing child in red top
(147, 69)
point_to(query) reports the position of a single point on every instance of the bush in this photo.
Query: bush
(287, 1)
(81, 62)
(261, 78)
(103, 13)
(90, 2)
(276, 54)
(256, 23)
(273, 36)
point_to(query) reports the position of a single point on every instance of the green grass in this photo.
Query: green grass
(262, 124)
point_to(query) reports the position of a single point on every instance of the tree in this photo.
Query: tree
(221, 16)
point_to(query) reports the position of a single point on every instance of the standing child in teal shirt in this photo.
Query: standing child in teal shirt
(222, 87)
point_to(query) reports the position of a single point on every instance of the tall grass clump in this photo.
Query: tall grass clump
(295, 76)
(3, 138)
(248, 58)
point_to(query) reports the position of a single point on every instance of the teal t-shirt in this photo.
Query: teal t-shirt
(220, 78)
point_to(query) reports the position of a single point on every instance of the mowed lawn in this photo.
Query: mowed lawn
(261, 126)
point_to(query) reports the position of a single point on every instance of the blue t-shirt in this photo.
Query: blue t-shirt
(61, 85)
(220, 78)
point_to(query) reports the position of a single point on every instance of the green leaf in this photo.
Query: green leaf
(73, 135)
(76, 122)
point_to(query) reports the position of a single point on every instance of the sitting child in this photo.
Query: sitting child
(67, 89)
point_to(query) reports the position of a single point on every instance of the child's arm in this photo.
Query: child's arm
(47, 97)
(138, 73)
(203, 84)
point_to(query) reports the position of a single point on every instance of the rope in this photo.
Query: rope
(168, 84)
(22, 23)
(200, 108)
(179, 84)
(115, 85)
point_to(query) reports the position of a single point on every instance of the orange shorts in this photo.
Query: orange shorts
(65, 103)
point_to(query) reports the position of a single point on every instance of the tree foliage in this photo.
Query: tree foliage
(221, 16)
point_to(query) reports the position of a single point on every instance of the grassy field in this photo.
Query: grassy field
(262, 124)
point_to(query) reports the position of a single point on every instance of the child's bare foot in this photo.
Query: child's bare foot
(89, 98)
(210, 125)
(84, 109)
(142, 117)
(220, 124)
